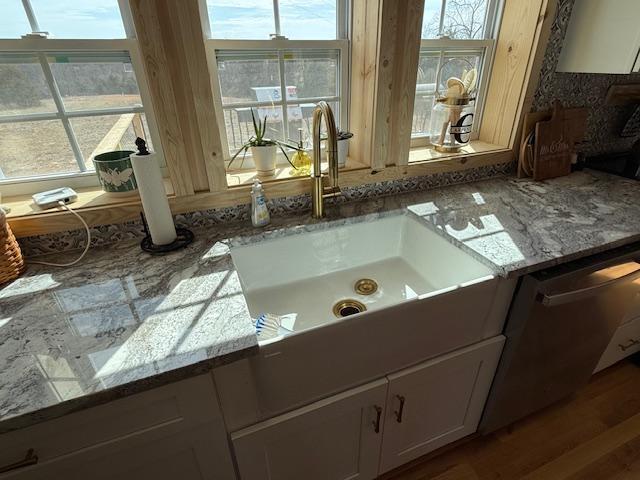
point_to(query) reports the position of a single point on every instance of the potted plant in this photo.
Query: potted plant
(263, 150)
(343, 147)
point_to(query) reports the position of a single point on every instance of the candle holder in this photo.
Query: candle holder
(184, 237)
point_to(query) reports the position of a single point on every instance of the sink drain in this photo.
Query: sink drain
(347, 307)
(366, 286)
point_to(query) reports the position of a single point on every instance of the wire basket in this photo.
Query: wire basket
(11, 261)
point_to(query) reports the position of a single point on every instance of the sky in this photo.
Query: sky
(229, 19)
(64, 18)
(254, 19)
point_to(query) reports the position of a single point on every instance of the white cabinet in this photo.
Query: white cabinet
(186, 456)
(174, 431)
(437, 402)
(626, 339)
(625, 342)
(372, 429)
(334, 439)
(602, 37)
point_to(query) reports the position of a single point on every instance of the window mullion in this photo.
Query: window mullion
(276, 17)
(342, 27)
(443, 7)
(283, 94)
(33, 21)
(57, 99)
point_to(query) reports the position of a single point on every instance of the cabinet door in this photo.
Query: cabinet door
(185, 456)
(602, 37)
(437, 402)
(333, 439)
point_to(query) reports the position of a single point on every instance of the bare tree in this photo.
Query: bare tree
(462, 19)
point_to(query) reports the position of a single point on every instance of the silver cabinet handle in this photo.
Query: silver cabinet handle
(632, 343)
(30, 459)
(400, 409)
(568, 297)
(376, 422)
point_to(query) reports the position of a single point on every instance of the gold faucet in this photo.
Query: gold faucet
(318, 190)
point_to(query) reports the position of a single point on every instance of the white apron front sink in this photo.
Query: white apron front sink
(305, 275)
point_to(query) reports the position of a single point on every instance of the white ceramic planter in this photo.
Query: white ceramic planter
(264, 159)
(343, 152)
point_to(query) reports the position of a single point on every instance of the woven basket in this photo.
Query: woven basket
(11, 261)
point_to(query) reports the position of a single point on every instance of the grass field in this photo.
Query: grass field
(42, 147)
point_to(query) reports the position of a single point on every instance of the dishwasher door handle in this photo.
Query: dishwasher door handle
(575, 295)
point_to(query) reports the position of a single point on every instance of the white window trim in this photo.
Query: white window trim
(280, 44)
(40, 46)
(486, 45)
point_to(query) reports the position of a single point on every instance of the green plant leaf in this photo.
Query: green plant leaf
(285, 155)
(242, 149)
(244, 155)
(264, 126)
(256, 129)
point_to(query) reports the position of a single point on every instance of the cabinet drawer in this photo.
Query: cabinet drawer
(625, 342)
(159, 412)
(633, 311)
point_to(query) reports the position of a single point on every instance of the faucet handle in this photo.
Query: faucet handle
(331, 191)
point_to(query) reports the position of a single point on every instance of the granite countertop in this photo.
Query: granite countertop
(122, 321)
(518, 226)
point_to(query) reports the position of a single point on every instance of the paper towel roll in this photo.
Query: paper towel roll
(154, 198)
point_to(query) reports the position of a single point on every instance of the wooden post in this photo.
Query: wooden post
(364, 56)
(385, 53)
(515, 62)
(400, 36)
(138, 128)
(172, 46)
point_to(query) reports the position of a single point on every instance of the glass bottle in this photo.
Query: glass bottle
(301, 159)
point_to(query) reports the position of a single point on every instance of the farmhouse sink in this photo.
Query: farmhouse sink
(321, 276)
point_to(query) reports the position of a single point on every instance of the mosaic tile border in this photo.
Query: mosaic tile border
(279, 207)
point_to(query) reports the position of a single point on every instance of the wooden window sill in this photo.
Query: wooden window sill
(236, 178)
(427, 153)
(22, 206)
(98, 208)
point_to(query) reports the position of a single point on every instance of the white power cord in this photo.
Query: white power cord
(86, 248)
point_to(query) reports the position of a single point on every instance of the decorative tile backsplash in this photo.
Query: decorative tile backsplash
(107, 234)
(584, 90)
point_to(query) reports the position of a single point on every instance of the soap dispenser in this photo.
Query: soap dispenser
(259, 211)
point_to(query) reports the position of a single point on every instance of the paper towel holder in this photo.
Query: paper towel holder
(184, 237)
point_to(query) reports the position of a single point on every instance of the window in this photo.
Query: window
(455, 34)
(67, 93)
(278, 58)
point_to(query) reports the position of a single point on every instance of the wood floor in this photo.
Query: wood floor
(593, 436)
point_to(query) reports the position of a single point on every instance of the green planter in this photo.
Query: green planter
(115, 172)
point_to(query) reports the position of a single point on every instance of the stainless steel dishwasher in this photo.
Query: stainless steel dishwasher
(559, 324)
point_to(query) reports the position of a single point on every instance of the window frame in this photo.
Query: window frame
(448, 46)
(280, 44)
(40, 47)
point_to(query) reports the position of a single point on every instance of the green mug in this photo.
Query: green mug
(115, 172)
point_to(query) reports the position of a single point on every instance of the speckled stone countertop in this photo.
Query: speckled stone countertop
(520, 226)
(122, 321)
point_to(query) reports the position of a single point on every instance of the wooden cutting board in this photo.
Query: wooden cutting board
(554, 141)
